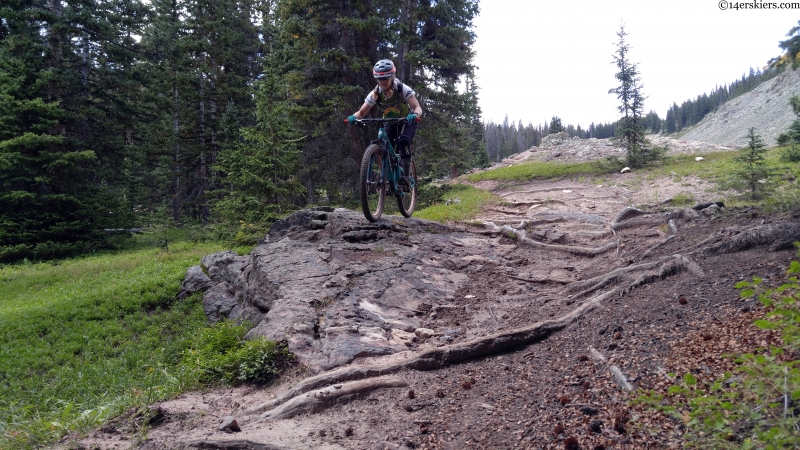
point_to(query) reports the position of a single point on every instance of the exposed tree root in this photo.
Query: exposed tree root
(639, 222)
(667, 267)
(540, 280)
(592, 284)
(566, 216)
(628, 213)
(778, 237)
(318, 400)
(594, 234)
(508, 211)
(434, 358)
(655, 247)
(229, 445)
(519, 235)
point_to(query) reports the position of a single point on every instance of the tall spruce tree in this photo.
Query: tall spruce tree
(260, 172)
(630, 132)
(65, 81)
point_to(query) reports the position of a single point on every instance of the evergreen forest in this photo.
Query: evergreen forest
(506, 138)
(120, 113)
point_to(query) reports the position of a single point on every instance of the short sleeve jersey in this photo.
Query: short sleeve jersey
(394, 106)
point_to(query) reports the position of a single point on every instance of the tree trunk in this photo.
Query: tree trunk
(176, 151)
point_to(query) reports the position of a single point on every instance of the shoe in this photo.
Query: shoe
(404, 184)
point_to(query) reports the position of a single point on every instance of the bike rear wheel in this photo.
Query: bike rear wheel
(372, 183)
(407, 201)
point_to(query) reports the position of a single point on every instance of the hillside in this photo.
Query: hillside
(765, 108)
(525, 329)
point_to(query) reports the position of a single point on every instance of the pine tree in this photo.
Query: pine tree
(555, 125)
(753, 173)
(260, 172)
(792, 135)
(630, 132)
(791, 50)
(65, 77)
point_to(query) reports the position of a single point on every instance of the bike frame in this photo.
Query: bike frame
(391, 170)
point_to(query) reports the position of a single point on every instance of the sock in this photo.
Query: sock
(406, 165)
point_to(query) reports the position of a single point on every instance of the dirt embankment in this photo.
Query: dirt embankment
(529, 331)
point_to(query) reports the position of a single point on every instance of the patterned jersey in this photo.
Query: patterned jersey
(391, 107)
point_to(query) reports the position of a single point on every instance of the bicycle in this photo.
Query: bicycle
(381, 171)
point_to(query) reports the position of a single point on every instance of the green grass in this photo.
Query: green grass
(538, 169)
(471, 201)
(83, 339)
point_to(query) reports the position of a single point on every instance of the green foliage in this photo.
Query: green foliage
(755, 407)
(260, 171)
(792, 136)
(630, 131)
(62, 121)
(459, 204)
(82, 340)
(539, 169)
(752, 161)
(555, 125)
(220, 355)
(791, 50)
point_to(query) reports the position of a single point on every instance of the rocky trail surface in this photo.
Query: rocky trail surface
(529, 328)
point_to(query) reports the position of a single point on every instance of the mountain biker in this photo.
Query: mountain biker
(394, 100)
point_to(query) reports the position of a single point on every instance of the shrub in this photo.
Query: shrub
(222, 356)
(757, 407)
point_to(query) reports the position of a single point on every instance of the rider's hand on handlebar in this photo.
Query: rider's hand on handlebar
(411, 118)
(351, 120)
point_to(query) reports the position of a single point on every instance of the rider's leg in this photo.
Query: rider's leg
(404, 146)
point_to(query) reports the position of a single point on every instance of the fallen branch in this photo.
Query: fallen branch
(619, 378)
(616, 373)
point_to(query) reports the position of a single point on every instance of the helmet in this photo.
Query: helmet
(383, 69)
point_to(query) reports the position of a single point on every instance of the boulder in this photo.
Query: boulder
(348, 290)
(195, 280)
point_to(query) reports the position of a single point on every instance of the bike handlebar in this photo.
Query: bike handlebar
(384, 120)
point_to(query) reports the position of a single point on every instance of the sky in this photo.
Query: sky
(539, 59)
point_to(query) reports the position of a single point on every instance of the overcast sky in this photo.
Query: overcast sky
(537, 59)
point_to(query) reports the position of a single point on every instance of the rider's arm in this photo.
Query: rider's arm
(413, 105)
(362, 112)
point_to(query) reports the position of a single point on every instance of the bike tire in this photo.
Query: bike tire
(408, 200)
(371, 184)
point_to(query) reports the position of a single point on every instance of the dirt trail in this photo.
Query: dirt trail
(573, 298)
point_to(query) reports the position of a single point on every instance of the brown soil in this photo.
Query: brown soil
(549, 394)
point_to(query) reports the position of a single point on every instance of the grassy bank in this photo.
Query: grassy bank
(459, 203)
(83, 339)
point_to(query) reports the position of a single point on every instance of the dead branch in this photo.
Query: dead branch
(619, 378)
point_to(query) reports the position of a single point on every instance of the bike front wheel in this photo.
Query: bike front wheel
(407, 198)
(372, 183)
